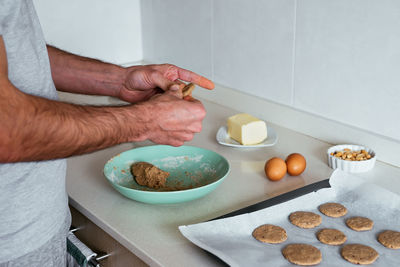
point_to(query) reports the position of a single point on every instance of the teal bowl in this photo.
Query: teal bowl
(194, 172)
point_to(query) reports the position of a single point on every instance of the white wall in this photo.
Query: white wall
(102, 29)
(338, 59)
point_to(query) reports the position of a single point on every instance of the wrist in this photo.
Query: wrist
(136, 122)
(120, 76)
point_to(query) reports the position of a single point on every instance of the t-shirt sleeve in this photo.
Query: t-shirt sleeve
(2, 21)
(1, 24)
(6, 8)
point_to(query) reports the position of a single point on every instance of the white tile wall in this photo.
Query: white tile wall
(178, 32)
(106, 30)
(339, 60)
(347, 65)
(253, 46)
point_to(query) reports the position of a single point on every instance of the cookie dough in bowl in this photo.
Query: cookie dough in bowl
(193, 173)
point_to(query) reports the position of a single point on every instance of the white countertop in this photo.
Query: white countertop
(151, 231)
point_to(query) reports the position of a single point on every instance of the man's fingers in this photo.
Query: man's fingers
(186, 136)
(179, 82)
(175, 90)
(173, 72)
(190, 76)
(160, 81)
(175, 143)
(189, 98)
(195, 127)
(176, 138)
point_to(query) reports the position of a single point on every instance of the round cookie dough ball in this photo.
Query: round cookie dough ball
(269, 233)
(390, 239)
(359, 223)
(333, 209)
(331, 237)
(305, 219)
(359, 254)
(302, 254)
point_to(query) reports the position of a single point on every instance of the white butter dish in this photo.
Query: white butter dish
(223, 138)
(349, 165)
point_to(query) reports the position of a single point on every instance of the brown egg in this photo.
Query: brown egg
(296, 164)
(275, 169)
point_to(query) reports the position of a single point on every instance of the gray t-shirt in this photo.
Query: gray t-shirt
(33, 199)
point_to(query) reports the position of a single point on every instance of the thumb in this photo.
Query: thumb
(175, 90)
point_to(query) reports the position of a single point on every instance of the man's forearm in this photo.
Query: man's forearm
(75, 74)
(46, 129)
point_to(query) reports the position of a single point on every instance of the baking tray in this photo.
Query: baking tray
(271, 202)
(278, 199)
(230, 239)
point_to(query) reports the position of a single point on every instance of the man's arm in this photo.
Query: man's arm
(34, 128)
(76, 74)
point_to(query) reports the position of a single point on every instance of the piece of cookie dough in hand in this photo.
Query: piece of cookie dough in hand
(269, 233)
(188, 89)
(305, 219)
(147, 174)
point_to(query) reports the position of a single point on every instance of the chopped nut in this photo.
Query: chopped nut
(347, 154)
(359, 156)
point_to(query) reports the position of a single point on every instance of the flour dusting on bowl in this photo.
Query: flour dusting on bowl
(194, 172)
(175, 162)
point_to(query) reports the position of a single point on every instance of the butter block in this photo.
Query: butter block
(247, 129)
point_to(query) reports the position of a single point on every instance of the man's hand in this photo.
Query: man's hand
(35, 128)
(142, 82)
(170, 120)
(75, 74)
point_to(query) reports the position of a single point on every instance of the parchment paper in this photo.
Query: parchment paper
(231, 239)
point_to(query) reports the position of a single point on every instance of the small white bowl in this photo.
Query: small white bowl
(351, 166)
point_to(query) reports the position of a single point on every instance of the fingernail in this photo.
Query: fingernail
(174, 87)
